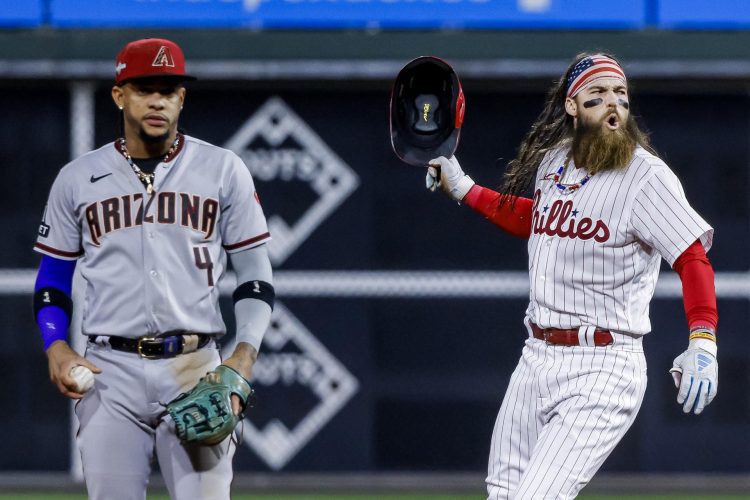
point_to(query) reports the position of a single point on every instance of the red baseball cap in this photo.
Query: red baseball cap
(150, 57)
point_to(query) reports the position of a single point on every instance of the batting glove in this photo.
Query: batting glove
(447, 174)
(696, 375)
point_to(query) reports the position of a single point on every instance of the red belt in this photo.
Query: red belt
(557, 336)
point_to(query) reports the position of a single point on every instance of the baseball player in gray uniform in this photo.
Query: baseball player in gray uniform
(605, 210)
(150, 219)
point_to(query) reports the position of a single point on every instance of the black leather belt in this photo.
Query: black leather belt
(156, 347)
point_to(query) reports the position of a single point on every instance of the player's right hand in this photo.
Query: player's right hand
(61, 359)
(448, 175)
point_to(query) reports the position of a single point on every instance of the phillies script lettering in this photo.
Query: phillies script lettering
(558, 222)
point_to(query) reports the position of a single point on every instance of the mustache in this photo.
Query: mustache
(610, 112)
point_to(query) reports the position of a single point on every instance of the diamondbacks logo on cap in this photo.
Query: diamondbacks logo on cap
(163, 58)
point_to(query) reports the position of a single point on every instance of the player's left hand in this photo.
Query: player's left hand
(696, 375)
(202, 415)
(242, 361)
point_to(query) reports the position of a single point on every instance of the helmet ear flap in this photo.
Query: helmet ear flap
(427, 111)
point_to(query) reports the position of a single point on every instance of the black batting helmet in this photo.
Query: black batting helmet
(427, 110)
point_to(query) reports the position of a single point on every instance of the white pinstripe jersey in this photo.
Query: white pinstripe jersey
(594, 253)
(151, 262)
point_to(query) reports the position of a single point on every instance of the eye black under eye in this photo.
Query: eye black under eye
(593, 102)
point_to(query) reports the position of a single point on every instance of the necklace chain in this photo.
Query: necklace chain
(568, 188)
(146, 179)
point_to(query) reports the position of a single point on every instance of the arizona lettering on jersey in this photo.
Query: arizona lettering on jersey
(594, 252)
(170, 247)
(184, 209)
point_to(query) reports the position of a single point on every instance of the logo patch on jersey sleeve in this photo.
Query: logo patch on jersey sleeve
(43, 227)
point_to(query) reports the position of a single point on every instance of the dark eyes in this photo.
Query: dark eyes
(617, 91)
(164, 92)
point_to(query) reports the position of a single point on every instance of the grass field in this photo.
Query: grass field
(338, 496)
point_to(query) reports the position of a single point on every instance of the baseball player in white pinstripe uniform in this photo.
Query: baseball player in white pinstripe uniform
(604, 211)
(151, 219)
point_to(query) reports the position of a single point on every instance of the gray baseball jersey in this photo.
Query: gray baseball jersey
(152, 262)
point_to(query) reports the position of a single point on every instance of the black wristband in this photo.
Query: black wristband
(256, 289)
(45, 297)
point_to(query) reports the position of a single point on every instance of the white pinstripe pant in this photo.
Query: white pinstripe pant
(564, 411)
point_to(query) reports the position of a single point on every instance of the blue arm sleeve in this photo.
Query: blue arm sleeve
(55, 273)
(53, 321)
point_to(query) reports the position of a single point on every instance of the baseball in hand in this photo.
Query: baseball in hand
(83, 377)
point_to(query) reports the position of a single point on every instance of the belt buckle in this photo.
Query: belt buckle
(546, 334)
(140, 347)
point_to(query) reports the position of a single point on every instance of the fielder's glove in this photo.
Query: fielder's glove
(447, 174)
(204, 415)
(696, 375)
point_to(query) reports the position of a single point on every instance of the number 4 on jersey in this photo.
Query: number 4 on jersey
(203, 261)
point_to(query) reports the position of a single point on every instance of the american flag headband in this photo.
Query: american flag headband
(590, 69)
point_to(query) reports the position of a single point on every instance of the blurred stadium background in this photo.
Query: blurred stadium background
(399, 316)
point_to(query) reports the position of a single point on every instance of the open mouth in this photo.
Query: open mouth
(613, 122)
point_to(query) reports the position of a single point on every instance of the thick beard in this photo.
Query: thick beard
(598, 150)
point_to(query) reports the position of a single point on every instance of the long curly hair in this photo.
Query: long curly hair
(552, 127)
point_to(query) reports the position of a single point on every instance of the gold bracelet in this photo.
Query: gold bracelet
(702, 334)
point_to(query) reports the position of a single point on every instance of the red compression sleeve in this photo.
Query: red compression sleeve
(698, 292)
(513, 217)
